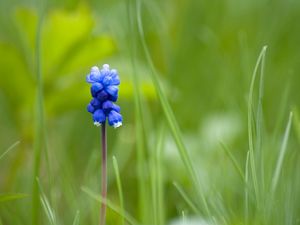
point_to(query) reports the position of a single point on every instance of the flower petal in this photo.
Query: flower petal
(105, 70)
(89, 79)
(90, 108)
(116, 108)
(115, 119)
(113, 98)
(95, 102)
(106, 80)
(112, 90)
(96, 87)
(102, 95)
(107, 106)
(99, 117)
(115, 80)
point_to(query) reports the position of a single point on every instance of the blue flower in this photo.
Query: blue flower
(104, 83)
(99, 117)
(104, 90)
(114, 119)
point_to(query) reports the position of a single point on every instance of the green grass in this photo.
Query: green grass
(141, 167)
(281, 155)
(46, 205)
(12, 196)
(168, 112)
(9, 149)
(184, 66)
(77, 218)
(255, 138)
(114, 207)
(120, 191)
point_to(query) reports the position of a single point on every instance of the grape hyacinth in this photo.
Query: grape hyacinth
(104, 91)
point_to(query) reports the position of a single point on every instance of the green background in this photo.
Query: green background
(204, 53)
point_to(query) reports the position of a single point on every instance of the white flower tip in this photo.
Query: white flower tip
(94, 69)
(97, 124)
(114, 71)
(118, 124)
(105, 66)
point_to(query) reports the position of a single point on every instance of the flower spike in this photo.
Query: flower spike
(104, 90)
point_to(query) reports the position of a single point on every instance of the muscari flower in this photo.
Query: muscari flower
(104, 90)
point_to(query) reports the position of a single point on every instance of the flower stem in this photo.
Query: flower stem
(104, 174)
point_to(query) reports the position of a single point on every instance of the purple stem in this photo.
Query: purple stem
(104, 174)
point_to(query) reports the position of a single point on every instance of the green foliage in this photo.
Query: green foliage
(10, 197)
(185, 69)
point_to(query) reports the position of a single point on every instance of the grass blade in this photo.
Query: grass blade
(12, 196)
(282, 152)
(186, 198)
(39, 138)
(246, 189)
(183, 217)
(9, 149)
(144, 208)
(119, 184)
(251, 120)
(259, 119)
(296, 123)
(157, 179)
(169, 115)
(159, 174)
(112, 206)
(46, 205)
(77, 218)
(234, 162)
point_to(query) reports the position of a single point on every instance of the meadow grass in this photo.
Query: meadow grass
(170, 118)
(120, 191)
(143, 205)
(262, 189)
(39, 144)
(9, 149)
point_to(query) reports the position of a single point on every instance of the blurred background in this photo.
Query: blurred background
(204, 53)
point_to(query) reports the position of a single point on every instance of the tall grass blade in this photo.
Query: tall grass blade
(157, 179)
(46, 205)
(296, 123)
(247, 189)
(112, 206)
(186, 198)
(259, 120)
(9, 149)
(251, 120)
(154, 192)
(119, 184)
(140, 141)
(77, 218)
(183, 217)
(234, 162)
(39, 139)
(169, 113)
(12, 196)
(282, 153)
